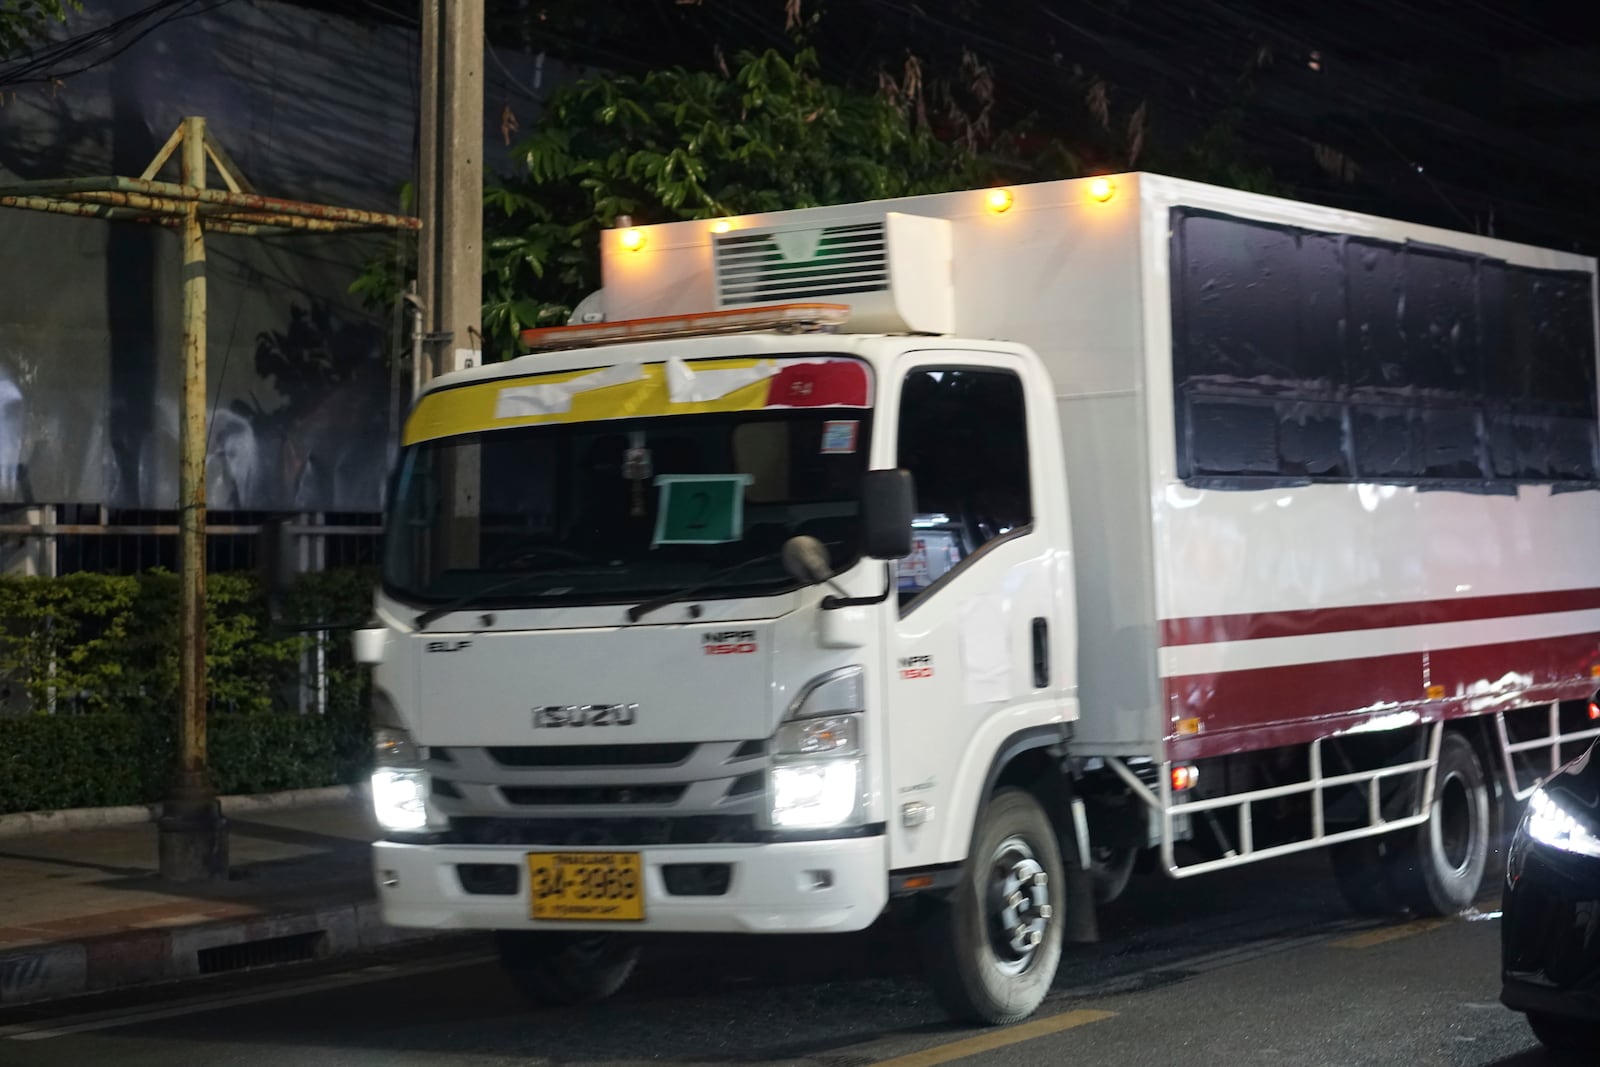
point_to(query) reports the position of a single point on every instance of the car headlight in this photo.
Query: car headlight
(817, 774)
(1548, 823)
(400, 786)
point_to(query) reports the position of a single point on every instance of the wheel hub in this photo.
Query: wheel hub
(1454, 824)
(1019, 907)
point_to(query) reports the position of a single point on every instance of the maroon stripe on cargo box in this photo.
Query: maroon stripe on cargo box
(1209, 629)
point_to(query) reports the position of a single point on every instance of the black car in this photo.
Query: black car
(1550, 930)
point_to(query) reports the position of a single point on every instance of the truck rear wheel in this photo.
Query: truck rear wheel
(992, 949)
(566, 968)
(1360, 868)
(1439, 870)
(1435, 869)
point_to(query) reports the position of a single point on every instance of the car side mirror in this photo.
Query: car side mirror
(888, 505)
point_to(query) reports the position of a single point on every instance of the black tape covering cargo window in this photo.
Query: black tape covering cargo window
(1398, 326)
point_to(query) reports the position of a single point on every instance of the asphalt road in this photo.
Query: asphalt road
(1260, 966)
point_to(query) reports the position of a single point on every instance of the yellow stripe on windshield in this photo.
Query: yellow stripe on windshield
(537, 399)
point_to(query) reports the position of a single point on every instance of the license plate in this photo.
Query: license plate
(586, 886)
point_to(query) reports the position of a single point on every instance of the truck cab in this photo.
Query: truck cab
(614, 696)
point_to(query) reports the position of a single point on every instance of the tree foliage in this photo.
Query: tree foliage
(767, 134)
(23, 22)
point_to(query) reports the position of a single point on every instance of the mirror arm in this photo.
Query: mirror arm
(834, 603)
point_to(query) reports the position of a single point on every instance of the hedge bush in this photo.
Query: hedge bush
(101, 651)
(49, 762)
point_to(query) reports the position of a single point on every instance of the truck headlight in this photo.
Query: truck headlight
(816, 794)
(1551, 824)
(816, 767)
(400, 786)
(400, 799)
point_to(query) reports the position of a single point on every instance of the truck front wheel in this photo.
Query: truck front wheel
(991, 950)
(566, 968)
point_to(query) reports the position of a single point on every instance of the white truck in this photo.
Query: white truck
(970, 551)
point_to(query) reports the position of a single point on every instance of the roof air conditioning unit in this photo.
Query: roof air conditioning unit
(894, 272)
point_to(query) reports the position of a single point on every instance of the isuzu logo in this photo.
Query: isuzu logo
(585, 715)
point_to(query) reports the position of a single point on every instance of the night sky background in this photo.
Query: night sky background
(1472, 114)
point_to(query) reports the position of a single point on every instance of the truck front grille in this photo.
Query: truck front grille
(606, 789)
(658, 755)
(620, 832)
(584, 796)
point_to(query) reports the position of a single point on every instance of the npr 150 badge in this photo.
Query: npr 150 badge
(729, 643)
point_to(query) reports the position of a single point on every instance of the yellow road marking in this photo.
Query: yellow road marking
(1385, 934)
(1011, 1035)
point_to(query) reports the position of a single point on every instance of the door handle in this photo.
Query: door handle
(1041, 653)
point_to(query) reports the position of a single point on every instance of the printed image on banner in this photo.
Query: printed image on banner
(700, 509)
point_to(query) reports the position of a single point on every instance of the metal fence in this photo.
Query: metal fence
(50, 540)
(57, 539)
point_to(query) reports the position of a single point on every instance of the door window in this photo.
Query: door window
(964, 437)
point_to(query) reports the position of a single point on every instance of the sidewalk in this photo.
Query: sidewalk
(84, 910)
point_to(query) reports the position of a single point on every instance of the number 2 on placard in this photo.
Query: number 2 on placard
(701, 503)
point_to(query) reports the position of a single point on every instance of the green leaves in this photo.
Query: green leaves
(102, 650)
(23, 22)
(677, 144)
(93, 643)
(52, 762)
(672, 145)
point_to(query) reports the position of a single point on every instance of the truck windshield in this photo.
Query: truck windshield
(622, 510)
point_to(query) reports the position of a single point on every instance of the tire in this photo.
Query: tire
(566, 968)
(1112, 870)
(1438, 868)
(1013, 878)
(1572, 1039)
(1360, 869)
(1435, 869)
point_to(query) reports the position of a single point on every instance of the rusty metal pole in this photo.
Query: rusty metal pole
(193, 835)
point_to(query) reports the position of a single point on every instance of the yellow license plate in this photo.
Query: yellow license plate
(586, 886)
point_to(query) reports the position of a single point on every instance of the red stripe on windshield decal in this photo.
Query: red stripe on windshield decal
(835, 383)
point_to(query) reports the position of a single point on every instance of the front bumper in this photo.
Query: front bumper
(1550, 934)
(832, 886)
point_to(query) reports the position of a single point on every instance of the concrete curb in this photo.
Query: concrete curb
(47, 971)
(42, 822)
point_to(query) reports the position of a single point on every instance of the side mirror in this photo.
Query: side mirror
(369, 643)
(888, 504)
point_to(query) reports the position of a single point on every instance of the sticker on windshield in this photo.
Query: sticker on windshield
(700, 509)
(839, 437)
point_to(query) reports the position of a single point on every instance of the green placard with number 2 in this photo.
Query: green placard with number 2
(700, 509)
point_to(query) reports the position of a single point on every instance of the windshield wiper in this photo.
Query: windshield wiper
(639, 611)
(422, 621)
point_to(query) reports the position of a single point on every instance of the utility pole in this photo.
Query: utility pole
(450, 187)
(192, 838)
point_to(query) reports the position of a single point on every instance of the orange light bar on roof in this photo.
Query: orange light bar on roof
(791, 318)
